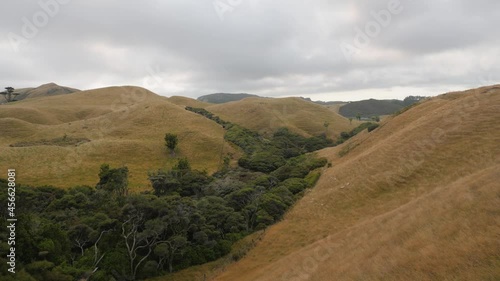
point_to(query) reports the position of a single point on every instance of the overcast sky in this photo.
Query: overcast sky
(322, 49)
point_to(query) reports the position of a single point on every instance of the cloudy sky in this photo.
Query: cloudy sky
(323, 49)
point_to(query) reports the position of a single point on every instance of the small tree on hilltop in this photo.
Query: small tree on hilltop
(171, 142)
(9, 94)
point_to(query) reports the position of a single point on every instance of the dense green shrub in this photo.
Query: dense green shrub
(262, 161)
(373, 127)
(248, 140)
(113, 180)
(347, 135)
(312, 178)
(295, 185)
(299, 167)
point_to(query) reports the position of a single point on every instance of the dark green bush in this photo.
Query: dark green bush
(295, 185)
(347, 135)
(263, 161)
(312, 178)
(373, 127)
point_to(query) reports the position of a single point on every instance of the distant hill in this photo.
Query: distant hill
(373, 107)
(45, 90)
(224, 97)
(265, 115)
(366, 108)
(185, 101)
(324, 102)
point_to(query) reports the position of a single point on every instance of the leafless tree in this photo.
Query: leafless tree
(97, 258)
(136, 241)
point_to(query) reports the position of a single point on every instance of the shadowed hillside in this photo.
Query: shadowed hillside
(373, 107)
(124, 126)
(416, 199)
(265, 115)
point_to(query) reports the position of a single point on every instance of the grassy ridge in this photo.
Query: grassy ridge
(266, 115)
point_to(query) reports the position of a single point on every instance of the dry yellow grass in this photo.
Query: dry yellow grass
(265, 115)
(417, 199)
(185, 101)
(126, 126)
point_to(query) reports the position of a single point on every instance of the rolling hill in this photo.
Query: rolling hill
(416, 199)
(369, 108)
(267, 114)
(373, 107)
(117, 125)
(185, 101)
(45, 90)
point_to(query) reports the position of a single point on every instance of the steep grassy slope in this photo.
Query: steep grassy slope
(266, 115)
(125, 126)
(416, 199)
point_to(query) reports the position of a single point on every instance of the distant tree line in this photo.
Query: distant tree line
(409, 100)
(207, 114)
(372, 107)
(363, 126)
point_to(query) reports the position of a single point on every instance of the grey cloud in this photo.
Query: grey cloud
(275, 49)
